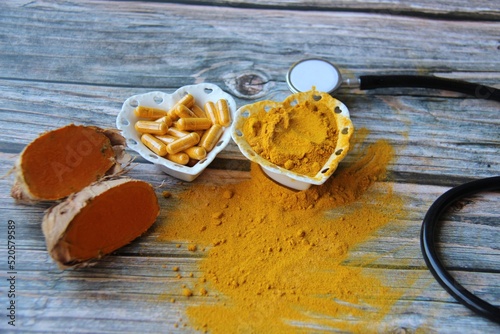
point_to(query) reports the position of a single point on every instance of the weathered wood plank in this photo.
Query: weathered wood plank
(456, 9)
(155, 45)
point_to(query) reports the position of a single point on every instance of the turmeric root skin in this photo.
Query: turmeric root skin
(98, 220)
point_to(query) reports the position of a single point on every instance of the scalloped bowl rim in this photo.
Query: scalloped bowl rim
(281, 175)
(202, 93)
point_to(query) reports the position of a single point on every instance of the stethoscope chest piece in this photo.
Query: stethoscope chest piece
(324, 76)
(313, 72)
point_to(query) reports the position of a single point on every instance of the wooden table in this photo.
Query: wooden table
(77, 61)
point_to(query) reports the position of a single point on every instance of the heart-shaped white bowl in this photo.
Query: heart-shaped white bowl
(279, 174)
(202, 93)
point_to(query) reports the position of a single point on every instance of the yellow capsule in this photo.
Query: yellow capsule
(175, 125)
(176, 132)
(211, 137)
(172, 114)
(196, 152)
(183, 143)
(193, 124)
(167, 139)
(149, 112)
(152, 127)
(180, 158)
(224, 116)
(183, 112)
(211, 112)
(165, 119)
(187, 100)
(154, 144)
(198, 111)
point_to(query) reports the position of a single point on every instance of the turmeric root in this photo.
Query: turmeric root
(64, 161)
(98, 220)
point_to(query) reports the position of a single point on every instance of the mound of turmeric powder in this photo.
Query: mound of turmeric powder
(299, 137)
(275, 257)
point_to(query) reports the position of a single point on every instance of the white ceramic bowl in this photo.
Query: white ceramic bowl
(281, 175)
(202, 93)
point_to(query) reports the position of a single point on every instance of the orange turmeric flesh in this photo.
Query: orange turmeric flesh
(65, 160)
(111, 220)
(87, 226)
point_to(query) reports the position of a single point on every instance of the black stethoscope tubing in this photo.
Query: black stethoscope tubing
(428, 238)
(422, 81)
(329, 75)
(429, 232)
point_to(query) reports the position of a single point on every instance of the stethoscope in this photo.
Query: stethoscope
(325, 76)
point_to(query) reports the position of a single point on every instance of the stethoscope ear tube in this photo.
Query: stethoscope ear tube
(422, 81)
(428, 245)
(325, 76)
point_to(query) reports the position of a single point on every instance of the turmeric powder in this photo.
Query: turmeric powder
(275, 260)
(299, 137)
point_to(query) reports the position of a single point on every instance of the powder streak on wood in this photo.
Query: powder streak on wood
(278, 255)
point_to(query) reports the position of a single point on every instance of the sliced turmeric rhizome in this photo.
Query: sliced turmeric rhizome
(96, 217)
(98, 220)
(65, 160)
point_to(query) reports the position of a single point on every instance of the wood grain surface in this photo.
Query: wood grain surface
(77, 61)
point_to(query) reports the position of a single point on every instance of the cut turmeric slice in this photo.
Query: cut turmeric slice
(64, 161)
(98, 220)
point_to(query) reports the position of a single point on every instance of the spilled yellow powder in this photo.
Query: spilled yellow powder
(275, 256)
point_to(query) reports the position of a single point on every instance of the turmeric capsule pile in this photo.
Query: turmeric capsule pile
(186, 132)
